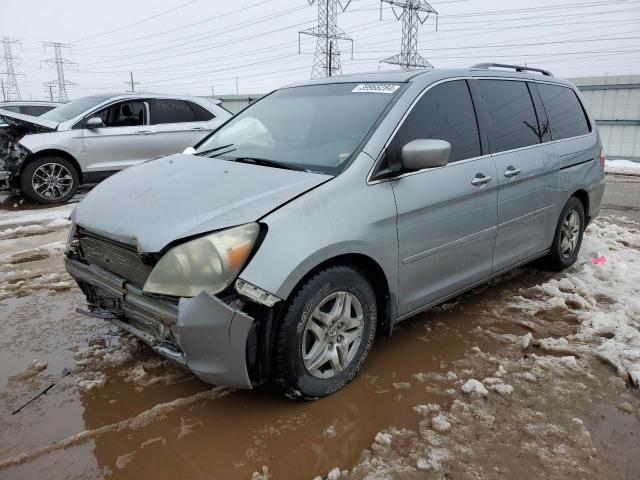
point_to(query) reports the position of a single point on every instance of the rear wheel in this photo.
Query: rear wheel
(49, 180)
(568, 236)
(326, 333)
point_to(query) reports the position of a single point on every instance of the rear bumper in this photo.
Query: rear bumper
(202, 333)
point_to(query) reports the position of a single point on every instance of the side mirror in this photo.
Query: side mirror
(94, 122)
(189, 151)
(419, 154)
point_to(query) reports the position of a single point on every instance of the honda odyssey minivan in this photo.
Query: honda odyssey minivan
(328, 211)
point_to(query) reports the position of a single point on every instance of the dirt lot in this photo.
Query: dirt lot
(534, 375)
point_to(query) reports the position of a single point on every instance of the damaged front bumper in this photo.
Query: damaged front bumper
(202, 333)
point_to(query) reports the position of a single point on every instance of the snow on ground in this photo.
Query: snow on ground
(531, 396)
(622, 167)
(17, 218)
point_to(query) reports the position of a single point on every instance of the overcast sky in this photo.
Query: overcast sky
(205, 43)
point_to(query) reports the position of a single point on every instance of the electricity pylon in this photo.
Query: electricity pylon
(326, 62)
(11, 90)
(413, 13)
(60, 64)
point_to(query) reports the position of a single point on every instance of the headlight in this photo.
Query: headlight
(208, 263)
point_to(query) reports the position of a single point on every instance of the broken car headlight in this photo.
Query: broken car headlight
(206, 264)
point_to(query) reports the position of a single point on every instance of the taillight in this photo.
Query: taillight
(602, 159)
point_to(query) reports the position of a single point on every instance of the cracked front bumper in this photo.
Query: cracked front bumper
(202, 333)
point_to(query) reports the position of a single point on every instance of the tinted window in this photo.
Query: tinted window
(444, 113)
(124, 114)
(36, 110)
(513, 118)
(566, 115)
(172, 111)
(11, 108)
(201, 113)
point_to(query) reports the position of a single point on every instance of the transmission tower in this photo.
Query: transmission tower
(11, 89)
(326, 62)
(60, 64)
(412, 13)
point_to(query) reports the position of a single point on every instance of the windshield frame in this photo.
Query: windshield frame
(374, 126)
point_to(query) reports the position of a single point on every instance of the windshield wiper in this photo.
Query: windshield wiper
(267, 163)
(207, 153)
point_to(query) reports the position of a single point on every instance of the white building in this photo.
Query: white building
(615, 104)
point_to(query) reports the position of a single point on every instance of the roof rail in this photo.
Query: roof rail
(517, 68)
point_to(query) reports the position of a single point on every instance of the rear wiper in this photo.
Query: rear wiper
(267, 163)
(207, 153)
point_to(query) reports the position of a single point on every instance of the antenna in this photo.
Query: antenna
(131, 83)
(60, 63)
(11, 90)
(326, 62)
(412, 13)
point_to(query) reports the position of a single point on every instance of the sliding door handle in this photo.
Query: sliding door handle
(512, 171)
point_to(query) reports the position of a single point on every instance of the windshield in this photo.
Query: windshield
(72, 109)
(315, 127)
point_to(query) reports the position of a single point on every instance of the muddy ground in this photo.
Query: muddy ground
(552, 396)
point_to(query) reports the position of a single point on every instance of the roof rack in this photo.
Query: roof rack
(517, 68)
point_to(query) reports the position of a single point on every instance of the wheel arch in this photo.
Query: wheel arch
(583, 196)
(53, 152)
(373, 273)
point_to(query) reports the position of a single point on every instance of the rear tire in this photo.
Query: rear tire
(326, 333)
(49, 180)
(568, 237)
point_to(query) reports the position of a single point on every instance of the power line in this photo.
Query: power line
(60, 63)
(135, 23)
(326, 61)
(413, 12)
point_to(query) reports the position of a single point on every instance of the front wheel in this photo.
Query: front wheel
(49, 180)
(568, 236)
(326, 333)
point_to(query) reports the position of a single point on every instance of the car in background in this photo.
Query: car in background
(27, 108)
(88, 139)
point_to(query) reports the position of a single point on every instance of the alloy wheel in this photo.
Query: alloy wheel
(52, 180)
(332, 335)
(570, 233)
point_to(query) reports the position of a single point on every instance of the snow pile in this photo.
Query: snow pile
(602, 298)
(44, 216)
(622, 167)
(474, 387)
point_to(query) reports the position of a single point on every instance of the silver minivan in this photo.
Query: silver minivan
(328, 211)
(87, 140)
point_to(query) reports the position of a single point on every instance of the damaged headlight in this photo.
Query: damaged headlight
(208, 263)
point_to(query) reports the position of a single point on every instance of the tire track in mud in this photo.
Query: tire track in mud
(141, 420)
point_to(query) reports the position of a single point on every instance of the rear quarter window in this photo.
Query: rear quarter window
(201, 113)
(566, 116)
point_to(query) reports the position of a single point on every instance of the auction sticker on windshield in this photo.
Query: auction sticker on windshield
(375, 88)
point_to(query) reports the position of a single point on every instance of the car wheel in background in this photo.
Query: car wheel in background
(326, 333)
(49, 180)
(568, 236)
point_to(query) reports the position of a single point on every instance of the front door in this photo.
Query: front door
(124, 139)
(447, 215)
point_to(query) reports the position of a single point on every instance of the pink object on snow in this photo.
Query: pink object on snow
(596, 261)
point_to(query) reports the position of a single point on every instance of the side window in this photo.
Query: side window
(513, 119)
(123, 114)
(201, 113)
(566, 115)
(444, 113)
(11, 108)
(171, 111)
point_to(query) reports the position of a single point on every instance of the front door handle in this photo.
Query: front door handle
(143, 132)
(481, 179)
(512, 171)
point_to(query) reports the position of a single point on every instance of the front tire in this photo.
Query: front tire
(49, 180)
(568, 236)
(326, 333)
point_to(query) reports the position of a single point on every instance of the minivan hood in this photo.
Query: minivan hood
(27, 123)
(157, 202)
